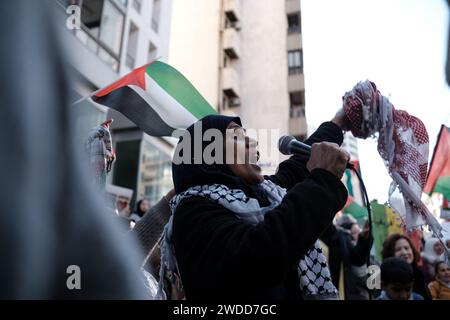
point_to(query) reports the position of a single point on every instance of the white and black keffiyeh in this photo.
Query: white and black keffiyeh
(313, 272)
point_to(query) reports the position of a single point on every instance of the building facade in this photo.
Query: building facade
(296, 78)
(113, 38)
(245, 57)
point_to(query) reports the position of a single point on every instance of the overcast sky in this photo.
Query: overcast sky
(398, 44)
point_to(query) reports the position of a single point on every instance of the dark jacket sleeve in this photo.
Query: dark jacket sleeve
(209, 237)
(330, 236)
(294, 169)
(355, 254)
(358, 252)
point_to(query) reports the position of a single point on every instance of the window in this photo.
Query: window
(294, 23)
(230, 23)
(231, 16)
(297, 98)
(112, 27)
(66, 3)
(91, 15)
(156, 14)
(297, 111)
(152, 52)
(132, 46)
(297, 104)
(231, 54)
(234, 102)
(230, 102)
(295, 61)
(226, 60)
(102, 28)
(155, 172)
(137, 4)
(123, 2)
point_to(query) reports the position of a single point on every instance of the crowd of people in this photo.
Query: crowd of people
(224, 232)
(406, 274)
(225, 248)
(420, 275)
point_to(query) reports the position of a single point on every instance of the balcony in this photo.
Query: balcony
(232, 9)
(294, 41)
(296, 82)
(230, 82)
(231, 44)
(292, 6)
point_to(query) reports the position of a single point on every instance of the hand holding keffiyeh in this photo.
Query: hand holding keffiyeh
(100, 153)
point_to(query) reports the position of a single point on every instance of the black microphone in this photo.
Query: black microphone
(289, 145)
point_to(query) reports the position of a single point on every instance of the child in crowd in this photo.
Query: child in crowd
(397, 279)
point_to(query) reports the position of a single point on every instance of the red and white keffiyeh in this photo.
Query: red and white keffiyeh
(402, 143)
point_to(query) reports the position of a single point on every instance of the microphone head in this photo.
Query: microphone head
(283, 144)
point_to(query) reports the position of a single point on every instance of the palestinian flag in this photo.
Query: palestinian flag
(438, 179)
(352, 206)
(155, 97)
(355, 209)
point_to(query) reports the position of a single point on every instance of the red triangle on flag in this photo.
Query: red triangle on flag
(135, 77)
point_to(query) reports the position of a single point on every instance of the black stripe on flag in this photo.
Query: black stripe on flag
(134, 107)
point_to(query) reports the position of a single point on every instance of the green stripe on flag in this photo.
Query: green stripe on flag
(443, 186)
(356, 210)
(348, 174)
(177, 86)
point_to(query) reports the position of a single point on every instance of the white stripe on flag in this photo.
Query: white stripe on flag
(170, 110)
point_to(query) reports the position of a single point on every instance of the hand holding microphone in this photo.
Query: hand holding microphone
(328, 156)
(324, 155)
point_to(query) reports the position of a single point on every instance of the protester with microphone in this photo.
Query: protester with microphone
(236, 234)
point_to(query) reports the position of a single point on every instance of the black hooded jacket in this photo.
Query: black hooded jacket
(222, 257)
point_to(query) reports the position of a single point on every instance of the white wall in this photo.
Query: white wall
(264, 91)
(195, 44)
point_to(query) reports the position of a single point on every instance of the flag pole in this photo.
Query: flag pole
(85, 98)
(95, 92)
